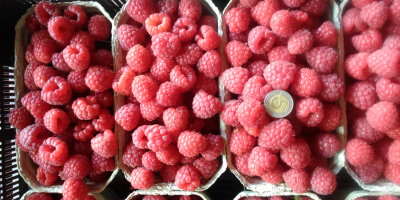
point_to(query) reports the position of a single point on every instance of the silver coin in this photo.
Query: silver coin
(278, 103)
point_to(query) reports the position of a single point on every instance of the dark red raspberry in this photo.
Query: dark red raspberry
(358, 152)
(261, 161)
(77, 167)
(323, 181)
(375, 14)
(132, 156)
(314, 8)
(99, 78)
(31, 137)
(167, 6)
(297, 154)
(54, 151)
(263, 11)
(20, 118)
(235, 78)
(185, 29)
(45, 178)
(101, 57)
(57, 91)
(363, 130)
(325, 35)
(322, 59)
(74, 189)
(207, 38)
(277, 135)
(210, 64)
(45, 10)
(297, 179)
(61, 28)
(168, 173)
(56, 120)
(165, 45)
(170, 156)
(105, 144)
(104, 99)
(77, 15)
(368, 41)
(191, 143)
(176, 119)
(209, 85)
(86, 108)
(169, 95)
(306, 83)
(77, 57)
(142, 178)
(275, 175)
(187, 178)
(206, 168)
(190, 8)
(140, 10)
(332, 87)
(59, 63)
(158, 23)
(361, 94)
(189, 54)
(128, 116)
(44, 49)
(32, 24)
(83, 131)
(129, 36)
(151, 162)
(205, 105)
(76, 80)
(99, 27)
(310, 111)
(29, 54)
(279, 74)
(159, 138)
(139, 59)
(251, 113)
(229, 113)
(101, 164)
(261, 40)
(33, 102)
(241, 142)
(237, 53)
(84, 39)
(284, 23)
(280, 53)
(356, 65)
(123, 81)
(385, 62)
(29, 80)
(161, 68)
(332, 118)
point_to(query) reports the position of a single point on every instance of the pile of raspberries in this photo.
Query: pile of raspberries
(372, 45)
(46, 196)
(66, 121)
(165, 197)
(275, 198)
(170, 85)
(283, 45)
(383, 197)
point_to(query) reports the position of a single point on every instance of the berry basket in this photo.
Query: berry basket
(359, 194)
(25, 165)
(118, 53)
(272, 193)
(140, 193)
(104, 195)
(335, 163)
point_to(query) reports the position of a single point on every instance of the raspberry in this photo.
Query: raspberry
(293, 3)
(257, 68)
(77, 57)
(34, 155)
(187, 178)
(57, 91)
(34, 104)
(300, 42)
(74, 189)
(297, 179)
(44, 49)
(183, 76)
(191, 143)
(54, 151)
(128, 116)
(123, 81)
(368, 41)
(209, 21)
(210, 64)
(297, 154)
(306, 83)
(385, 62)
(361, 94)
(165, 45)
(251, 113)
(229, 113)
(277, 135)
(392, 173)
(371, 171)
(332, 118)
(105, 144)
(241, 37)
(187, 160)
(151, 162)
(86, 108)
(61, 29)
(59, 63)
(323, 181)
(161, 69)
(39, 196)
(169, 95)
(394, 133)
(325, 145)
(77, 167)
(391, 42)
(361, 3)
(261, 161)
(151, 110)
(101, 57)
(132, 156)
(139, 59)
(205, 106)
(45, 178)
(215, 144)
(189, 54)
(383, 116)
(140, 10)
(237, 53)
(77, 15)
(280, 53)
(263, 11)
(256, 88)
(356, 66)
(176, 119)
(332, 87)
(283, 23)
(375, 14)
(363, 130)
(207, 84)
(103, 121)
(310, 111)
(84, 131)
(241, 163)
(275, 175)
(185, 29)
(76, 80)
(32, 24)
(388, 90)
(169, 172)
(29, 75)
(56, 120)
(241, 142)
(170, 155)
(139, 138)
(99, 78)
(352, 22)
(316, 161)
(358, 152)
(167, 6)
(260, 40)
(394, 12)
(29, 54)
(99, 27)
(158, 23)
(325, 35)
(190, 9)
(129, 36)
(248, 3)
(322, 59)
(206, 168)
(159, 138)
(382, 147)
(83, 38)
(104, 99)
(141, 178)
(234, 79)
(207, 38)
(40, 35)
(144, 88)
(314, 8)
(279, 74)
(44, 10)
(393, 155)
(20, 118)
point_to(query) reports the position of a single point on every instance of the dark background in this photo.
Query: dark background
(226, 187)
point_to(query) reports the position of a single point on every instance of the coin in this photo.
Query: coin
(278, 103)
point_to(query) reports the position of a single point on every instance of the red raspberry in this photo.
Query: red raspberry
(205, 106)
(170, 155)
(103, 121)
(44, 10)
(393, 152)
(105, 144)
(382, 147)
(394, 12)
(74, 189)
(123, 81)
(241, 163)
(29, 54)
(34, 155)
(183, 76)
(371, 171)
(158, 23)
(361, 94)
(207, 84)
(297, 154)
(322, 59)
(165, 45)
(297, 179)
(229, 113)
(316, 161)
(215, 144)
(36, 106)
(248, 3)
(206, 168)
(275, 175)
(210, 64)
(54, 151)
(277, 135)
(104, 99)
(141, 178)
(207, 38)
(132, 156)
(261, 161)
(368, 41)
(169, 172)
(391, 42)
(84, 131)
(44, 49)
(385, 62)
(356, 66)
(169, 95)
(190, 8)
(32, 24)
(187, 160)
(306, 83)
(352, 22)
(189, 54)
(314, 8)
(257, 68)
(161, 69)
(363, 130)
(128, 116)
(209, 21)
(283, 23)
(383, 116)
(332, 87)
(77, 167)
(99, 27)
(392, 173)
(129, 36)
(260, 40)
(251, 113)
(187, 178)
(237, 53)
(29, 80)
(151, 162)
(191, 143)
(394, 133)
(99, 78)
(263, 11)
(144, 88)
(61, 29)
(77, 15)
(310, 111)
(20, 118)
(325, 145)
(293, 3)
(151, 110)
(280, 53)
(256, 88)
(234, 79)
(176, 119)
(325, 35)
(280, 74)
(241, 142)
(57, 91)
(101, 57)
(159, 138)
(84, 39)
(45, 178)
(375, 14)
(185, 29)
(39, 35)
(361, 3)
(140, 10)
(139, 138)
(388, 90)
(86, 108)
(139, 59)
(300, 42)
(323, 181)
(76, 80)
(167, 6)
(77, 57)
(56, 120)
(332, 118)
(59, 63)
(241, 37)
(358, 152)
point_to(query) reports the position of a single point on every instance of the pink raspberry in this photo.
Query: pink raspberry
(74, 189)
(280, 53)
(275, 175)
(229, 113)
(168, 173)
(29, 80)
(138, 54)
(241, 163)
(261, 161)
(297, 154)
(332, 87)
(77, 57)
(332, 118)
(280, 74)
(99, 27)
(105, 144)
(352, 22)
(61, 28)
(157, 23)
(45, 10)
(151, 110)
(84, 131)
(170, 155)
(56, 120)
(325, 145)
(161, 69)
(388, 90)
(251, 113)
(36, 106)
(241, 142)
(323, 181)
(59, 63)
(57, 91)
(191, 143)
(84, 39)
(310, 111)
(45, 178)
(144, 88)
(215, 144)
(263, 11)
(207, 84)
(361, 94)
(77, 15)
(394, 12)
(99, 78)
(394, 133)
(393, 152)
(86, 108)
(129, 36)
(358, 152)
(187, 178)
(176, 119)
(260, 40)
(383, 116)
(283, 23)
(322, 59)
(306, 83)
(210, 64)
(165, 45)
(314, 8)
(77, 167)
(101, 57)
(257, 68)
(391, 42)
(385, 62)
(185, 29)
(31, 137)
(44, 49)
(356, 66)
(237, 53)
(392, 172)
(325, 35)
(207, 38)
(104, 99)
(54, 151)
(368, 41)
(209, 21)
(207, 168)
(205, 105)
(159, 138)
(189, 54)
(42, 74)
(375, 14)
(142, 178)
(140, 10)
(122, 82)
(32, 24)
(151, 162)
(256, 88)
(29, 54)
(371, 171)
(169, 95)
(20, 118)
(101, 165)
(235, 78)
(277, 135)
(297, 179)
(128, 116)
(190, 8)
(132, 156)
(300, 42)
(76, 80)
